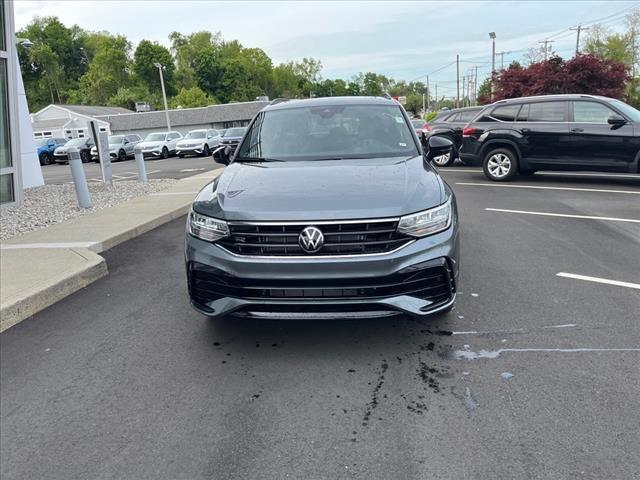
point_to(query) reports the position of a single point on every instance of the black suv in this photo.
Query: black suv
(449, 124)
(553, 132)
(329, 207)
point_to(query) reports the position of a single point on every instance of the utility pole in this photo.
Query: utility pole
(457, 81)
(464, 81)
(502, 54)
(578, 29)
(428, 99)
(164, 95)
(437, 99)
(475, 86)
(492, 36)
(546, 48)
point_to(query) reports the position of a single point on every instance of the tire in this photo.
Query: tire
(45, 158)
(205, 151)
(181, 155)
(85, 156)
(500, 165)
(122, 156)
(165, 152)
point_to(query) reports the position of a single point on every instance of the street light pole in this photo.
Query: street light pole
(492, 36)
(164, 95)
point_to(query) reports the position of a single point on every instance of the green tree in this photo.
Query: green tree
(414, 103)
(185, 49)
(286, 83)
(108, 71)
(51, 69)
(147, 54)
(190, 98)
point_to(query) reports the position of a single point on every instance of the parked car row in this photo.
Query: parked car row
(121, 147)
(548, 132)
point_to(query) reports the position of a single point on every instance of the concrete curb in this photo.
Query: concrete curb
(51, 288)
(44, 266)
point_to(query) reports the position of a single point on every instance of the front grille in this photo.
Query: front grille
(339, 238)
(431, 281)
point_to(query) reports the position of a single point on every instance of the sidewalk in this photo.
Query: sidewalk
(41, 267)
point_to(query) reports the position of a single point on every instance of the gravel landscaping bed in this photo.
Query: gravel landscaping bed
(49, 204)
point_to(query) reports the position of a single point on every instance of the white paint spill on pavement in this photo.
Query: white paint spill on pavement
(469, 355)
(506, 375)
(567, 325)
(470, 402)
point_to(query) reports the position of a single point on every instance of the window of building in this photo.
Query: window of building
(6, 161)
(3, 40)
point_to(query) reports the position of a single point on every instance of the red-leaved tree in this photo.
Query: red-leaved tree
(587, 74)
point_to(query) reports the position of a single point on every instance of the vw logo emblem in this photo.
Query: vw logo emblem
(311, 239)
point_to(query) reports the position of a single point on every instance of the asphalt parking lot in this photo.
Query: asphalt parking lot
(172, 167)
(533, 375)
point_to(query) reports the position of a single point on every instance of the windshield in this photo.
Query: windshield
(235, 132)
(41, 142)
(116, 140)
(418, 123)
(196, 134)
(329, 132)
(76, 142)
(155, 137)
(628, 110)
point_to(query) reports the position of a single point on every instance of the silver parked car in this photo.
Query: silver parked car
(160, 144)
(198, 142)
(120, 147)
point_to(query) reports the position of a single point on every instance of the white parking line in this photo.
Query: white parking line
(599, 280)
(571, 189)
(548, 214)
(563, 174)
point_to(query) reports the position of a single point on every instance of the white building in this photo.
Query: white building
(71, 121)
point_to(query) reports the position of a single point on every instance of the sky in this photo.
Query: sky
(402, 39)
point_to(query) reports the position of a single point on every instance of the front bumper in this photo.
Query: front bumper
(189, 150)
(61, 158)
(419, 279)
(151, 153)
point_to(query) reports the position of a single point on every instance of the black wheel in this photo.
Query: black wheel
(205, 151)
(46, 158)
(85, 156)
(165, 152)
(122, 156)
(500, 165)
(181, 155)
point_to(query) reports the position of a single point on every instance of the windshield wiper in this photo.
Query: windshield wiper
(258, 159)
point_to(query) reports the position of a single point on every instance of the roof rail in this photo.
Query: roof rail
(275, 101)
(387, 96)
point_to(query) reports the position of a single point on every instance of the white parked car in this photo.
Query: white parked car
(198, 142)
(160, 144)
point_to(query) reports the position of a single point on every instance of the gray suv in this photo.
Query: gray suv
(121, 147)
(329, 207)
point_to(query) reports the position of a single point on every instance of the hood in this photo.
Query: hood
(190, 142)
(322, 190)
(230, 139)
(150, 144)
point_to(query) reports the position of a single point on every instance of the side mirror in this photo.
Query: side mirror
(616, 120)
(437, 146)
(222, 155)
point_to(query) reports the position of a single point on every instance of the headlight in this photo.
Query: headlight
(207, 228)
(426, 222)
